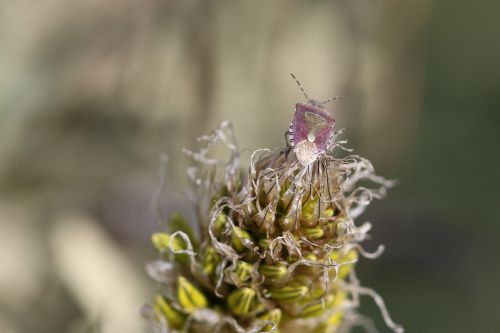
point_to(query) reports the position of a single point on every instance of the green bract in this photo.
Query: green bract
(275, 248)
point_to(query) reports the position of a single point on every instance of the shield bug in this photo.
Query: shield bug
(311, 132)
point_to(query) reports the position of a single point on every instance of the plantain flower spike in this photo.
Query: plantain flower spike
(276, 246)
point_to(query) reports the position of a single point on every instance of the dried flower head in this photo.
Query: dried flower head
(277, 245)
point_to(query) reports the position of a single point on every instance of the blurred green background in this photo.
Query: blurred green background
(91, 92)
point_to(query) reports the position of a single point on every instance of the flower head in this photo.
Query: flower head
(276, 247)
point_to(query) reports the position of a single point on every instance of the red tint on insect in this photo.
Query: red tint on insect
(311, 131)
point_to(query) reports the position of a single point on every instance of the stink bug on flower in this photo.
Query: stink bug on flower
(311, 132)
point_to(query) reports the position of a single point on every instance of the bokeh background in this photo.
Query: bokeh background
(92, 92)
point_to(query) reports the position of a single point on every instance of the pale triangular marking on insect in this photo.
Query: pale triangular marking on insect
(314, 124)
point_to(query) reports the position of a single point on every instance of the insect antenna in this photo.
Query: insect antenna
(300, 86)
(334, 98)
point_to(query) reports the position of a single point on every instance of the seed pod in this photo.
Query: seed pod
(240, 238)
(276, 271)
(240, 301)
(274, 316)
(174, 318)
(189, 297)
(288, 294)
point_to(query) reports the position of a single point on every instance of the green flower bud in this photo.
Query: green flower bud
(276, 271)
(342, 258)
(264, 219)
(309, 208)
(316, 293)
(329, 212)
(287, 223)
(240, 238)
(311, 257)
(162, 242)
(178, 223)
(274, 316)
(317, 308)
(288, 294)
(243, 270)
(210, 261)
(240, 301)
(313, 233)
(264, 244)
(335, 320)
(174, 318)
(189, 297)
(220, 223)
(310, 213)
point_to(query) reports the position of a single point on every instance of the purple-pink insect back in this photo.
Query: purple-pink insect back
(311, 131)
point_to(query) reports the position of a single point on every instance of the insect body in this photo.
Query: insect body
(311, 131)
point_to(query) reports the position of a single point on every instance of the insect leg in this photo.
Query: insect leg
(289, 136)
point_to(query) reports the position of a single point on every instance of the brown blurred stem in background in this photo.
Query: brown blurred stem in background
(200, 40)
(392, 54)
